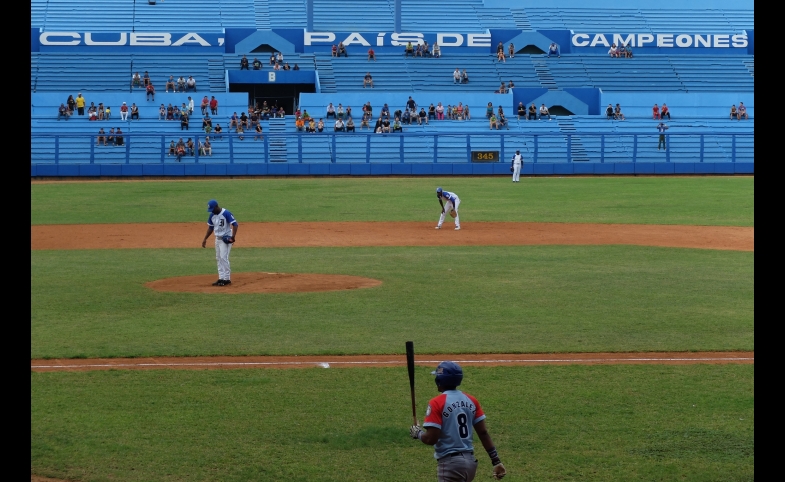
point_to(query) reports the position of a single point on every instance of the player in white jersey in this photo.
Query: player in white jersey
(517, 163)
(449, 202)
(223, 224)
(449, 421)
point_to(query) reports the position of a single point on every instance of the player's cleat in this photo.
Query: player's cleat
(457, 228)
(220, 282)
(438, 227)
(227, 282)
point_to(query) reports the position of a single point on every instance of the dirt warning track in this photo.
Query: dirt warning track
(357, 234)
(327, 361)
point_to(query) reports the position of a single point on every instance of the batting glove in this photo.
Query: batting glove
(499, 471)
(416, 432)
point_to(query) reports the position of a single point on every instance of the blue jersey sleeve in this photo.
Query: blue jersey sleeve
(210, 220)
(230, 217)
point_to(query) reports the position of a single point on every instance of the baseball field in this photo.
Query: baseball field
(651, 278)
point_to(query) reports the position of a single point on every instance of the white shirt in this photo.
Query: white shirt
(456, 74)
(221, 222)
(191, 105)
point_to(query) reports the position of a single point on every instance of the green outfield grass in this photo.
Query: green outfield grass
(448, 299)
(597, 423)
(646, 200)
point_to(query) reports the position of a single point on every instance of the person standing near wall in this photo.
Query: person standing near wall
(661, 128)
(517, 164)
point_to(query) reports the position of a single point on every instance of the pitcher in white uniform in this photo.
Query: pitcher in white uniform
(449, 201)
(517, 163)
(223, 224)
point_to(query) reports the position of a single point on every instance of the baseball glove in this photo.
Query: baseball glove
(512, 169)
(453, 213)
(227, 239)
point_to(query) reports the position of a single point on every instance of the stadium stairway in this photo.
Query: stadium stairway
(323, 63)
(278, 144)
(262, 14)
(461, 15)
(216, 75)
(500, 18)
(750, 64)
(90, 16)
(521, 19)
(33, 71)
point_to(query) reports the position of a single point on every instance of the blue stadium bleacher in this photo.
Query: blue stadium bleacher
(698, 133)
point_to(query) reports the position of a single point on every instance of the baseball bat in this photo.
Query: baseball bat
(410, 366)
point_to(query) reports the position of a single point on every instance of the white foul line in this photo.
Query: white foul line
(396, 362)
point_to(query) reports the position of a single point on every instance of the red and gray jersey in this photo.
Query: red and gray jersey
(455, 413)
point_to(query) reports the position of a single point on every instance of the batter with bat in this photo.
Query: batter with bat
(449, 421)
(449, 202)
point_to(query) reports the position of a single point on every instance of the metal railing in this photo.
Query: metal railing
(147, 148)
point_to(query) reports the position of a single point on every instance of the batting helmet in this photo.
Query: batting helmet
(438, 190)
(448, 374)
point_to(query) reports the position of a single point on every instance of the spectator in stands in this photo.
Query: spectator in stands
(366, 121)
(449, 112)
(422, 117)
(92, 115)
(170, 83)
(244, 120)
(189, 146)
(277, 66)
(378, 126)
(330, 110)
(613, 51)
(335, 50)
(310, 126)
(742, 111)
(62, 112)
(500, 48)
(500, 111)
(258, 133)
(146, 79)
(205, 104)
(512, 50)
(661, 128)
(368, 108)
(655, 112)
(464, 77)
(218, 132)
(425, 49)
(437, 51)
(466, 113)
(368, 80)
(500, 56)
(320, 126)
(299, 124)
(92, 108)
(179, 150)
(544, 111)
(411, 104)
(554, 50)
(101, 137)
(493, 121)
(440, 111)
(409, 50)
(532, 112)
(510, 85)
(70, 103)
(190, 84)
(281, 112)
(169, 112)
(184, 121)
(341, 50)
(162, 112)
(431, 112)
(239, 132)
(502, 89)
(279, 58)
(628, 51)
(665, 112)
(134, 111)
(100, 111)
(207, 147)
(459, 111)
(265, 111)
(489, 110)
(502, 122)
(118, 137)
(371, 54)
(406, 118)
(386, 111)
(172, 149)
(80, 103)
(180, 84)
(124, 112)
(257, 64)
(244, 63)
(207, 125)
(110, 138)
(419, 51)
(340, 112)
(286, 66)
(396, 127)
(609, 112)
(521, 110)
(150, 92)
(213, 105)
(386, 126)
(456, 76)
(136, 80)
(617, 114)
(339, 126)
(107, 113)
(734, 114)
(254, 119)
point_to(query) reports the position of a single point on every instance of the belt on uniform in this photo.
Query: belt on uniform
(458, 453)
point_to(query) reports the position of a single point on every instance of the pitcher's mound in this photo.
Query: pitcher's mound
(264, 283)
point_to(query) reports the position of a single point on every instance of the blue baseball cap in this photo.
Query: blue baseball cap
(211, 204)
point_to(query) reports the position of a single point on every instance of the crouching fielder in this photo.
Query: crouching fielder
(449, 202)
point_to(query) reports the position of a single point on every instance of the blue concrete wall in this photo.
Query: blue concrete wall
(613, 4)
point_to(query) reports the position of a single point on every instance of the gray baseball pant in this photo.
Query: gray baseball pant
(460, 467)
